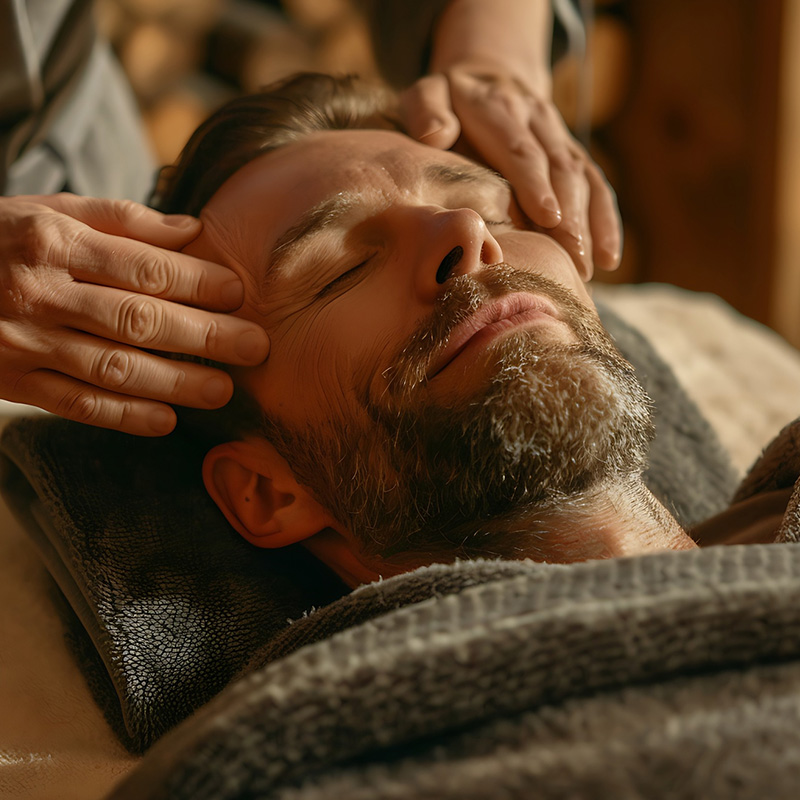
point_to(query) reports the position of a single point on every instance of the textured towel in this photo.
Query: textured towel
(175, 602)
(674, 675)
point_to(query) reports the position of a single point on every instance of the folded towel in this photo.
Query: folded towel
(175, 603)
(172, 598)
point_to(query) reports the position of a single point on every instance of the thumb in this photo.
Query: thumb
(427, 114)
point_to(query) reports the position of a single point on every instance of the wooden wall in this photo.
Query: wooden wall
(703, 146)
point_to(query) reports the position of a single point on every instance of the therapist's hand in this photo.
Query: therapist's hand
(490, 91)
(85, 284)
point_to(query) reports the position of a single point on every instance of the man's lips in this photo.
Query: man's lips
(492, 319)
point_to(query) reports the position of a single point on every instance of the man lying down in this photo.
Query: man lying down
(439, 388)
(439, 384)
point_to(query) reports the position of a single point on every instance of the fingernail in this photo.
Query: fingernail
(550, 205)
(435, 127)
(252, 346)
(161, 421)
(215, 391)
(232, 294)
(575, 245)
(183, 221)
(607, 259)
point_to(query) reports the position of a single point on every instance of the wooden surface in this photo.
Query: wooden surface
(699, 148)
(785, 301)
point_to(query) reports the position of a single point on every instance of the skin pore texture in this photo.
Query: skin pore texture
(439, 384)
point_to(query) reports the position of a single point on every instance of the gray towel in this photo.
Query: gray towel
(675, 675)
(173, 600)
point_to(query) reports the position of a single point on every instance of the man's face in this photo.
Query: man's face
(435, 364)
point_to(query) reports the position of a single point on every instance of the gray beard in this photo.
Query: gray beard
(552, 422)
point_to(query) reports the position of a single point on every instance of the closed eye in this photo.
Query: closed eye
(344, 277)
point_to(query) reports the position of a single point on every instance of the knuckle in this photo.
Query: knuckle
(140, 320)
(123, 415)
(35, 238)
(565, 160)
(65, 196)
(525, 148)
(14, 348)
(12, 386)
(211, 338)
(154, 277)
(177, 383)
(37, 254)
(201, 286)
(113, 369)
(80, 404)
(27, 294)
(127, 211)
(539, 107)
(501, 99)
(20, 292)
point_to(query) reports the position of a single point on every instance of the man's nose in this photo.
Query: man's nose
(450, 242)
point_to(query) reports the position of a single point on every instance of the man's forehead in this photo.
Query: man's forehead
(326, 162)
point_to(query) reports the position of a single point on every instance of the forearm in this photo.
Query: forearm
(514, 33)
(404, 34)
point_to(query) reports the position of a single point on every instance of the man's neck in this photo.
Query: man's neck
(615, 521)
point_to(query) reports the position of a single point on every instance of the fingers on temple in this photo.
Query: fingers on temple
(427, 114)
(604, 220)
(151, 322)
(81, 402)
(495, 122)
(99, 258)
(128, 371)
(572, 187)
(126, 218)
(590, 206)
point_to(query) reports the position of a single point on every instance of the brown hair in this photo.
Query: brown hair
(252, 125)
(236, 134)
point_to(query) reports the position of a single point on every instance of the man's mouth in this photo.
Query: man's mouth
(491, 320)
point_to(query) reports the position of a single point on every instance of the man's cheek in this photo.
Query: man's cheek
(289, 381)
(540, 254)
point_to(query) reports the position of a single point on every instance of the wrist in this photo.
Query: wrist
(506, 36)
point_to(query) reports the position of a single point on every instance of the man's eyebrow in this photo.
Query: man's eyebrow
(310, 223)
(464, 173)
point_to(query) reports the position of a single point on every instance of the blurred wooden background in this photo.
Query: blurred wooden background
(694, 115)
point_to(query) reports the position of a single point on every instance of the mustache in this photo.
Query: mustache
(465, 296)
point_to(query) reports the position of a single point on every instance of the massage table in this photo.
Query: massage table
(59, 738)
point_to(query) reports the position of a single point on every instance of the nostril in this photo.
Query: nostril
(449, 262)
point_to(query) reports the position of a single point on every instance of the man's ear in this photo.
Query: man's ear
(256, 490)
